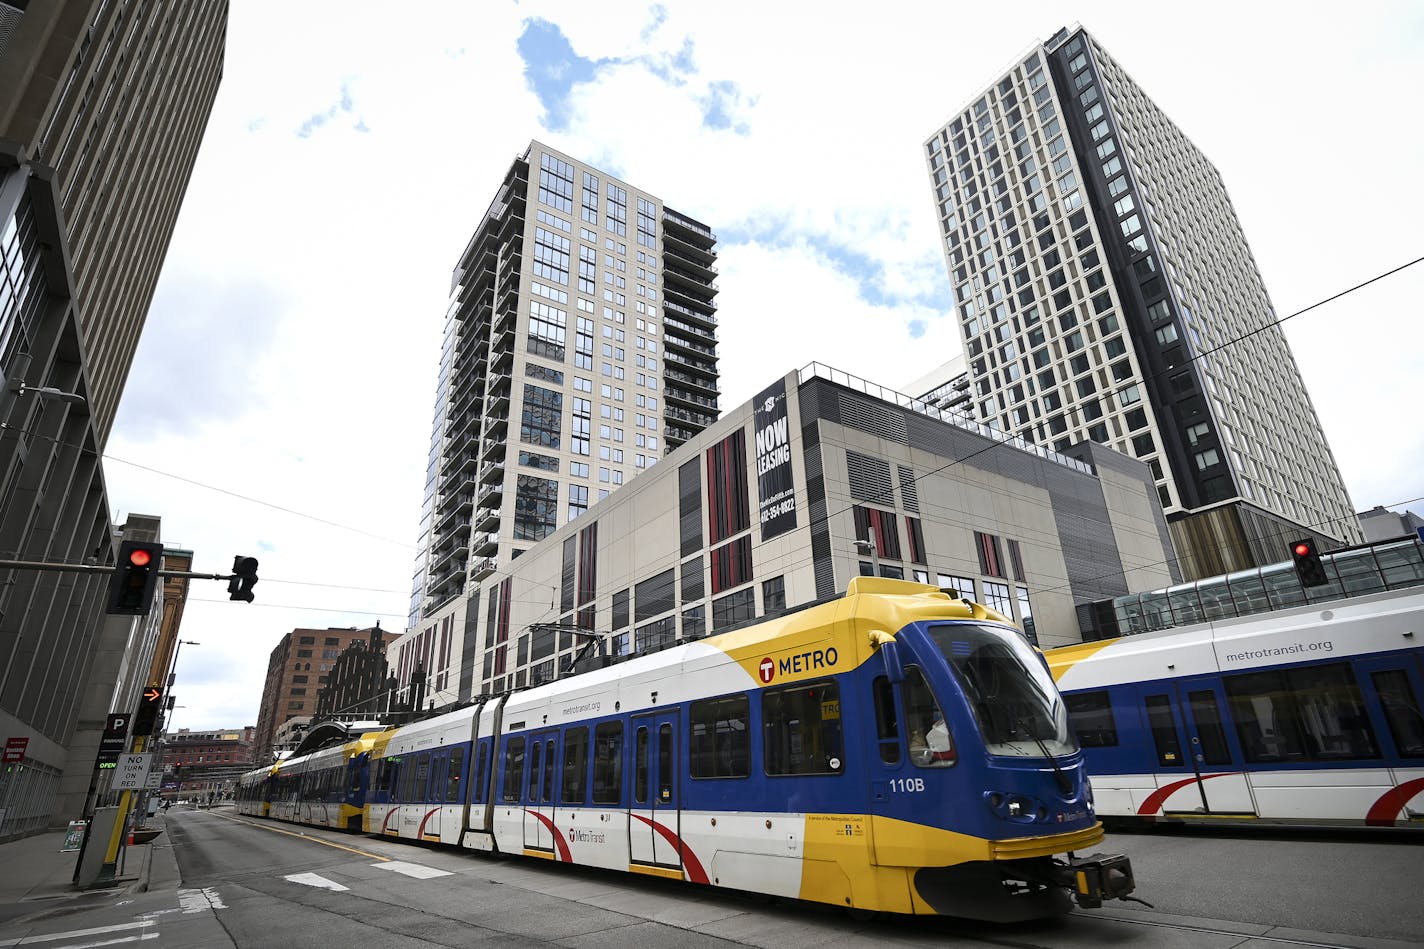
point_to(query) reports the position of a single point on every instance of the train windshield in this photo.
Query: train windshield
(1015, 702)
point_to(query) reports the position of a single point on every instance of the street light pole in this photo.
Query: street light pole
(864, 545)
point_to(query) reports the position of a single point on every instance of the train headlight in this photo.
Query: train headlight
(1016, 808)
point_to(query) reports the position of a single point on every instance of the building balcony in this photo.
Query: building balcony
(486, 544)
(701, 389)
(490, 494)
(492, 471)
(688, 279)
(687, 363)
(682, 345)
(691, 226)
(707, 319)
(482, 568)
(486, 519)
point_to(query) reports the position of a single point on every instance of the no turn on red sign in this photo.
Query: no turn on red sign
(131, 772)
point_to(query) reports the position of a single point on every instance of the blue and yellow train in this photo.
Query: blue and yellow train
(895, 749)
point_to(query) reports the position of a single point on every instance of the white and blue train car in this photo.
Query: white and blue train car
(1308, 715)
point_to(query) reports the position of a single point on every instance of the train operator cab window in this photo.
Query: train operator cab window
(1313, 713)
(1090, 714)
(1007, 685)
(802, 728)
(513, 769)
(931, 745)
(719, 741)
(1401, 711)
(608, 763)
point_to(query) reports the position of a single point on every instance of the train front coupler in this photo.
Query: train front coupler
(1096, 878)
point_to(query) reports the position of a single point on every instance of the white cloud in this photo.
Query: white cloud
(296, 331)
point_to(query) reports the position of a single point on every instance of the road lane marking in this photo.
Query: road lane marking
(79, 933)
(112, 942)
(311, 879)
(196, 901)
(290, 833)
(412, 870)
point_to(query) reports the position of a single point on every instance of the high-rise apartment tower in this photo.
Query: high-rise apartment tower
(580, 346)
(1105, 291)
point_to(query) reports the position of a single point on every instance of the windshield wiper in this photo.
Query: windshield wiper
(1065, 783)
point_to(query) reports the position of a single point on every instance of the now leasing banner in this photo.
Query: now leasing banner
(773, 461)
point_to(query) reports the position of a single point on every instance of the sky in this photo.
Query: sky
(281, 399)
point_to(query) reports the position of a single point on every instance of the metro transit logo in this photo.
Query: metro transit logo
(766, 670)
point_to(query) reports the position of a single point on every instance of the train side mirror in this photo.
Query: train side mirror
(889, 652)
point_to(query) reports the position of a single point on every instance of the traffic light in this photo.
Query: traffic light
(1307, 564)
(147, 715)
(135, 577)
(244, 578)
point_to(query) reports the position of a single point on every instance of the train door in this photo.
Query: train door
(653, 817)
(539, 792)
(1216, 758)
(1394, 694)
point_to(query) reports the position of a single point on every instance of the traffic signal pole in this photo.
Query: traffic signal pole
(95, 568)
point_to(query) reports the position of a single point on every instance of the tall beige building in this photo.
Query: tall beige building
(1105, 291)
(580, 347)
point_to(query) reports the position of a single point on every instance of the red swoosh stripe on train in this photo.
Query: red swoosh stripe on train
(425, 820)
(690, 863)
(1158, 797)
(559, 843)
(385, 824)
(1384, 811)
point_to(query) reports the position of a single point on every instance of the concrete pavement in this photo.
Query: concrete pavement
(35, 872)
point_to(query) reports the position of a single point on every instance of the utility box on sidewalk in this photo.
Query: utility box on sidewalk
(96, 844)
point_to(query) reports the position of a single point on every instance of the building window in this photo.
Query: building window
(728, 512)
(773, 595)
(731, 565)
(733, 608)
(578, 500)
(541, 422)
(996, 597)
(1026, 616)
(536, 507)
(990, 563)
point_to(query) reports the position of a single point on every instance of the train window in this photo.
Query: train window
(353, 785)
(887, 725)
(665, 765)
(480, 774)
(1210, 731)
(802, 728)
(575, 766)
(640, 767)
(719, 740)
(549, 771)
(513, 768)
(422, 777)
(931, 745)
(456, 774)
(1091, 717)
(534, 760)
(383, 774)
(1313, 713)
(1164, 731)
(1401, 711)
(608, 763)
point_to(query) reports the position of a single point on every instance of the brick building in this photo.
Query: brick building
(299, 667)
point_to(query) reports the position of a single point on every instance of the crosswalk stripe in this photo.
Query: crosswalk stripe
(80, 933)
(412, 870)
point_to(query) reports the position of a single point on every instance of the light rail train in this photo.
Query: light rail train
(1309, 715)
(893, 750)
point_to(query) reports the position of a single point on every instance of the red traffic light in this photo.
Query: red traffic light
(139, 557)
(1302, 549)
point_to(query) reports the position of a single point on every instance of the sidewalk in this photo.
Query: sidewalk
(33, 868)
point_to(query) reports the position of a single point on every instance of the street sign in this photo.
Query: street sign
(116, 730)
(74, 837)
(155, 780)
(131, 772)
(15, 750)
